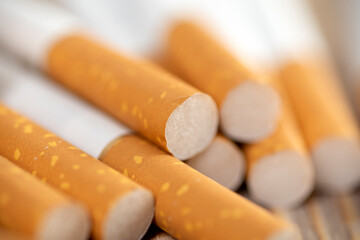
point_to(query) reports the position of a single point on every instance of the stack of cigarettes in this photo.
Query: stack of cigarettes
(96, 143)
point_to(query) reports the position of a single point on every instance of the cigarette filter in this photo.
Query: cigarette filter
(280, 173)
(120, 208)
(172, 114)
(222, 161)
(30, 208)
(248, 109)
(189, 205)
(327, 124)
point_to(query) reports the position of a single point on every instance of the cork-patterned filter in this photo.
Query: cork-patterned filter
(141, 96)
(328, 126)
(203, 62)
(321, 108)
(26, 204)
(188, 204)
(65, 167)
(286, 147)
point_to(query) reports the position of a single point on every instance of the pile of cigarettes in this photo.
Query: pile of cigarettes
(99, 143)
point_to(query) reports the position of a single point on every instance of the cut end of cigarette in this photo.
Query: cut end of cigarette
(130, 217)
(69, 221)
(337, 165)
(250, 112)
(191, 126)
(291, 233)
(223, 162)
(281, 180)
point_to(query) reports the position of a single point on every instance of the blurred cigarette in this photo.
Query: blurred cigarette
(116, 203)
(172, 114)
(248, 109)
(32, 209)
(315, 93)
(340, 25)
(280, 173)
(223, 161)
(188, 204)
(327, 124)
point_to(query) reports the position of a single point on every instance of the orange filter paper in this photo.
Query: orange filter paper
(189, 205)
(141, 96)
(62, 165)
(12, 235)
(203, 62)
(321, 108)
(24, 201)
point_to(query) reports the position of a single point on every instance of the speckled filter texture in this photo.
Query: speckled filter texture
(139, 94)
(62, 165)
(189, 205)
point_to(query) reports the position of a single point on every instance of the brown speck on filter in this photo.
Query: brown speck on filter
(30, 209)
(248, 109)
(327, 124)
(223, 161)
(280, 173)
(190, 205)
(116, 203)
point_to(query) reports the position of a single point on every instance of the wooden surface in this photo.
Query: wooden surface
(327, 218)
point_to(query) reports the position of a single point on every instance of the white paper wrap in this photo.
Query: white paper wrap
(30, 28)
(292, 27)
(56, 109)
(140, 26)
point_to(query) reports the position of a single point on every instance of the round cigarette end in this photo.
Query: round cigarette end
(291, 233)
(250, 112)
(337, 165)
(222, 161)
(69, 221)
(281, 180)
(191, 126)
(130, 216)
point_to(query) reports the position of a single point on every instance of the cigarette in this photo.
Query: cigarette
(167, 111)
(116, 203)
(327, 124)
(248, 110)
(223, 161)
(32, 209)
(190, 205)
(280, 173)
